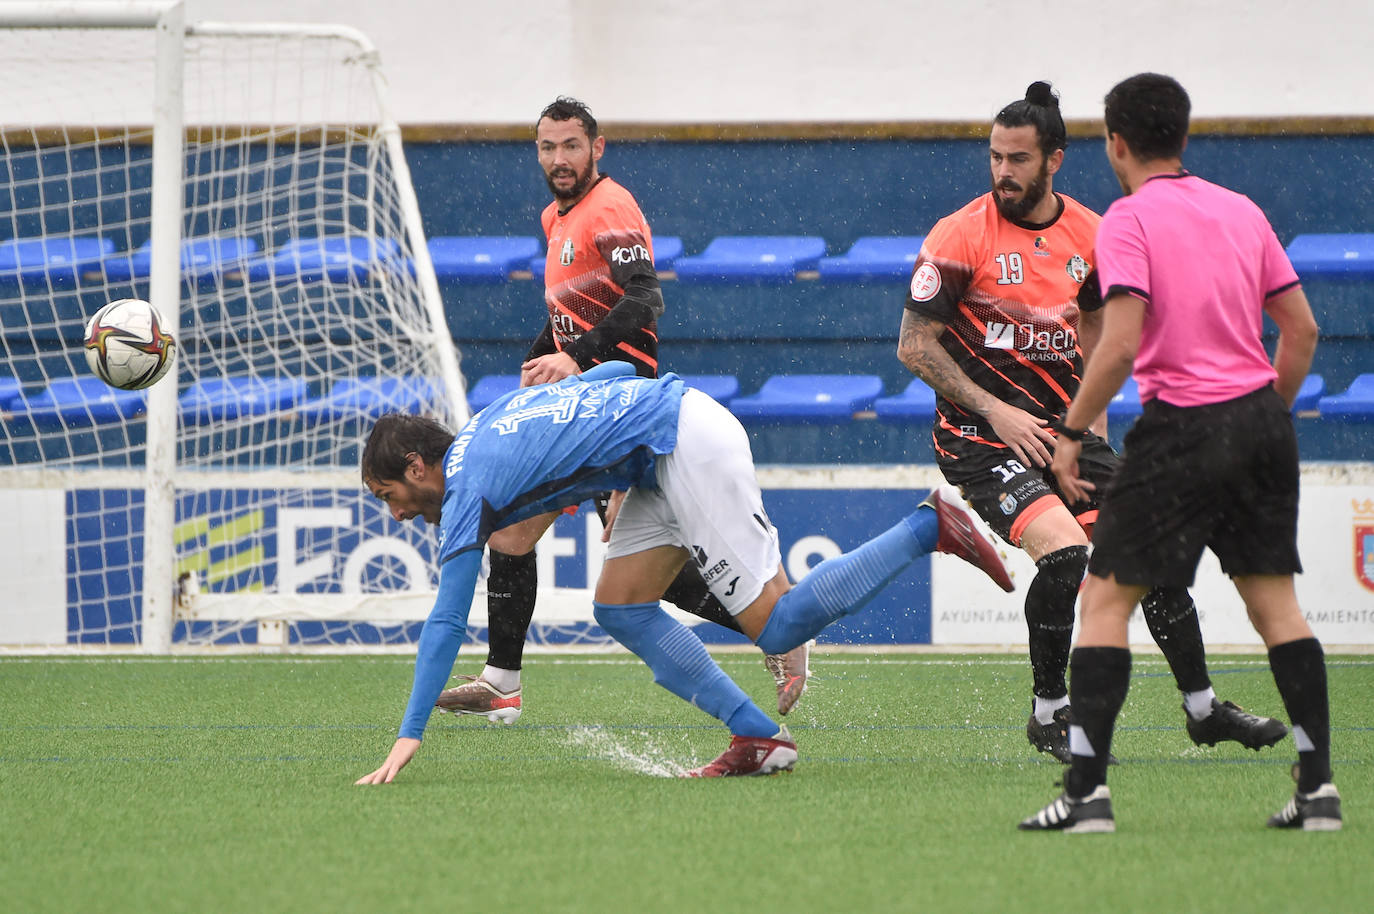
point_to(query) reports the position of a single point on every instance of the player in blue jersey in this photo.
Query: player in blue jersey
(686, 490)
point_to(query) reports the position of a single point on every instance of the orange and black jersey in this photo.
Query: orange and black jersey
(600, 284)
(1009, 295)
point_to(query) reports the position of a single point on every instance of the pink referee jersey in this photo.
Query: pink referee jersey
(1205, 261)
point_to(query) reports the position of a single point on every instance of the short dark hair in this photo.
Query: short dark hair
(566, 108)
(394, 438)
(1039, 109)
(1150, 111)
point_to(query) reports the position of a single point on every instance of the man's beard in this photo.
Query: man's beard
(579, 186)
(1017, 210)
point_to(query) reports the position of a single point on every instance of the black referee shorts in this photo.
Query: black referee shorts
(1222, 476)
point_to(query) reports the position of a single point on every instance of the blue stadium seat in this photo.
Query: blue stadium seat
(485, 391)
(1355, 404)
(337, 257)
(1310, 393)
(667, 251)
(1126, 403)
(1333, 255)
(84, 401)
(483, 258)
(220, 399)
(11, 390)
(723, 388)
(201, 258)
(59, 259)
(809, 398)
(752, 259)
(368, 398)
(1337, 273)
(914, 404)
(875, 257)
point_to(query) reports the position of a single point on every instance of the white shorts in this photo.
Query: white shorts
(707, 502)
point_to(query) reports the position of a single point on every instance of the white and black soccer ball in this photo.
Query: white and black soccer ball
(128, 345)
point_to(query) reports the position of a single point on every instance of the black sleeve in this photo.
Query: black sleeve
(543, 343)
(1090, 293)
(638, 308)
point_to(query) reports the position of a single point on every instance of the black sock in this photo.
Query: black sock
(1173, 622)
(1097, 690)
(511, 585)
(1299, 669)
(689, 593)
(1049, 617)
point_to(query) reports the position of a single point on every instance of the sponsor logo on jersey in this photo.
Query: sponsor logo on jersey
(629, 254)
(968, 431)
(1007, 503)
(1033, 343)
(1077, 267)
(925, 282)
(565, 256)
(1042, 246)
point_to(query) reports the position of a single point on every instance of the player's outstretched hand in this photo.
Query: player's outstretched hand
(546, 369)
(400, 755)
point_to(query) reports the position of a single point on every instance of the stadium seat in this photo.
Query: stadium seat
(201, 258)
(483, 258)
(914, 404)
(337, 257)
(809, 398)
(1337, 273)
(1333, 255)
(59, 260)
(875, 257)
(1126, 403)
(723, 388)
(667, 251)
(485, 391)
(1354, 404)
(368, 398)
(221, 399)
(1310, 393)
(11, 390)
(72, 402)
(752, 259)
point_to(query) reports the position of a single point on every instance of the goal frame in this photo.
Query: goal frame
(166, 18)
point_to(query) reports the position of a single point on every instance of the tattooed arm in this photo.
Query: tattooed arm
(920, 350)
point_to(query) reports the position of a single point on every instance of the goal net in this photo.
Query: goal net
(249, 182)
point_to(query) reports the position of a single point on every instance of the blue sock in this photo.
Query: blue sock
(681, 665)
(845, 584)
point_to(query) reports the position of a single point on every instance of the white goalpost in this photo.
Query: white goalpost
(249, 181)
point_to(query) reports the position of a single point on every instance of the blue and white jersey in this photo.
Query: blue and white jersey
(542, 448)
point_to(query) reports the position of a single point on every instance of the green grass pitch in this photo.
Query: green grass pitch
(226, 784)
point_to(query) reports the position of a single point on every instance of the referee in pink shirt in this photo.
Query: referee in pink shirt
(1188, 271)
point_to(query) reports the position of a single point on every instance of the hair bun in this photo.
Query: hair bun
(1039, 93)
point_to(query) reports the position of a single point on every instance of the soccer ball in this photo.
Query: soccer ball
(128, 346)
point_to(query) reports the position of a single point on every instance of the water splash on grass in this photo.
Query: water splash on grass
(634, 750)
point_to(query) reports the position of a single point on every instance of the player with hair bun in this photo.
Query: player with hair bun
(1002, 313)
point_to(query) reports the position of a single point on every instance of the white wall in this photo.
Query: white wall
(498, 61)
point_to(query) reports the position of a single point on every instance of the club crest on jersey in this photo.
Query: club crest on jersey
(925, 282)
(1077, 267)
(565, 256)
(1042, 246)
